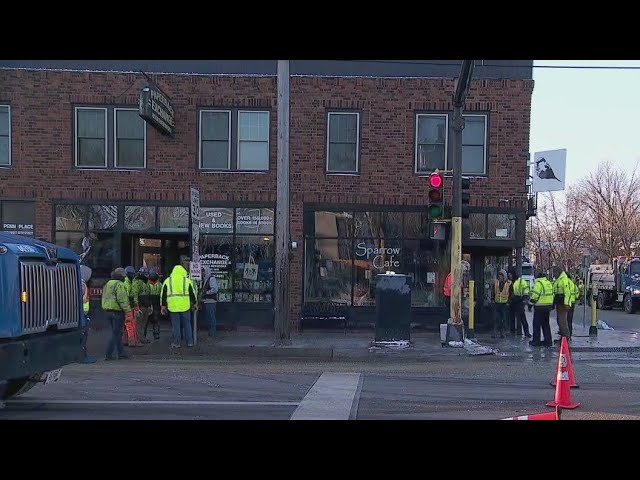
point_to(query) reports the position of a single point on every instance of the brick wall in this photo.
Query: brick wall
(42, 142)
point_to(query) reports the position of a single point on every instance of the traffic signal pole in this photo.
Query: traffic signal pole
(461, 90)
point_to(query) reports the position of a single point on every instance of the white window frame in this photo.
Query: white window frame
(115, 140)
(357, 168)
(7, 165)
(75, 135)
(446, 141)
(484, 151)
(268, 142)
(209, 110)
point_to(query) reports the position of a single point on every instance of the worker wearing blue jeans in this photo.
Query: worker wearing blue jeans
(209, 300)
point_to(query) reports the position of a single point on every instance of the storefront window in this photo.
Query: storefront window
(216, 220)
(71, 217)
(383, 241)
(103, 217)
(253, 269)
(216, 252)
(139, 218)
(174, 219)
(71, 240)
(492, 266)
(374, 256)
(333, 224)
(101, 257)
(255, 221)
(416, 225)
(378, 224)
(427, 262)
(18, 218)
(328, 270)
(477, 225)
(502, 226)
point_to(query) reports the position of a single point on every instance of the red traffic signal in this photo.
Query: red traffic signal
(435, 180)
(435, 196)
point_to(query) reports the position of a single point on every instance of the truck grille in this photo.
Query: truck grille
(52, 296)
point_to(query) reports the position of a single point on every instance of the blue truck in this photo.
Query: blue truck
(617, 284)
(42, 324)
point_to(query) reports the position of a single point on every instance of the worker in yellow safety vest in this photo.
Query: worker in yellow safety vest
(519, 294)
(542, 298)
(562, 301)
(178, 297)
(85, 276)
(575, 291)
(500, 308)
(115, 303)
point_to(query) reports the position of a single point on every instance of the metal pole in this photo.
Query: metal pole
(472, 309)
(462, 87)
(281, 287)
(593, 329)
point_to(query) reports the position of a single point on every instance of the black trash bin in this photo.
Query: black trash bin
(393, 307)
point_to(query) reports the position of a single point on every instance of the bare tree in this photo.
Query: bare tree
(559, 234)
(611, 197)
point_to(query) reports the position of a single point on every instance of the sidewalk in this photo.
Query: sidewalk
(358, 345)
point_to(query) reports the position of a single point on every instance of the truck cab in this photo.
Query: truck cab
(528, 273)
(617, 284)
(42, 323)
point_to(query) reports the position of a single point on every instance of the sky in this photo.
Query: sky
(591, 113)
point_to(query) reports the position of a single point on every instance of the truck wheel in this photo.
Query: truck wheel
(629, 304)
(600, 301)
(18, 386)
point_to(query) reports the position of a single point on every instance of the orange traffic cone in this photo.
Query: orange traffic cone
(572, 378)
(563, 390)
(555, 415)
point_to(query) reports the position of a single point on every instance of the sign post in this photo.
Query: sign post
(195, 269)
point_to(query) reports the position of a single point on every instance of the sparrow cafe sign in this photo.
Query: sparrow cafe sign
(383, 258)
(155, 107)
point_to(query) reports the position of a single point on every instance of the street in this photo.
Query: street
(462, 388)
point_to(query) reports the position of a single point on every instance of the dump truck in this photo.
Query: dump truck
(42, 323)
(617, 284)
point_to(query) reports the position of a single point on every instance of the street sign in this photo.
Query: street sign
(195, 271)
(549, 169)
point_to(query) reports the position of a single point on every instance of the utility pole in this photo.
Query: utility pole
(461, 90)
(281, 286)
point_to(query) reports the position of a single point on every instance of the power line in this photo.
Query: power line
(480, 63)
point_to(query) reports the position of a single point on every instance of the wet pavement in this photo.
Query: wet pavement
(358, 344)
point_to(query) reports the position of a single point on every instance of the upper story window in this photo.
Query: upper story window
(98, 127)
(5, 136)
(233, 140)
(215, 139)
(91, 137)
(130, 139)
(432, 142)
(253, 141)
(474, 145)
(343, 142)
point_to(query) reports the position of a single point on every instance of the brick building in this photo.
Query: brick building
(77, 161)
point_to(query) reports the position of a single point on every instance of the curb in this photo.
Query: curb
(321, 353)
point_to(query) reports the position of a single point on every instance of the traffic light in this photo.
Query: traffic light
(466, 196)
(436, 197)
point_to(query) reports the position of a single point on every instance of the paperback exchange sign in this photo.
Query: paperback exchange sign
(156, 108)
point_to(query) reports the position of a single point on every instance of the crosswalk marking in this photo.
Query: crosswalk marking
(614, 365)
(628, 374)
(331, 398)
